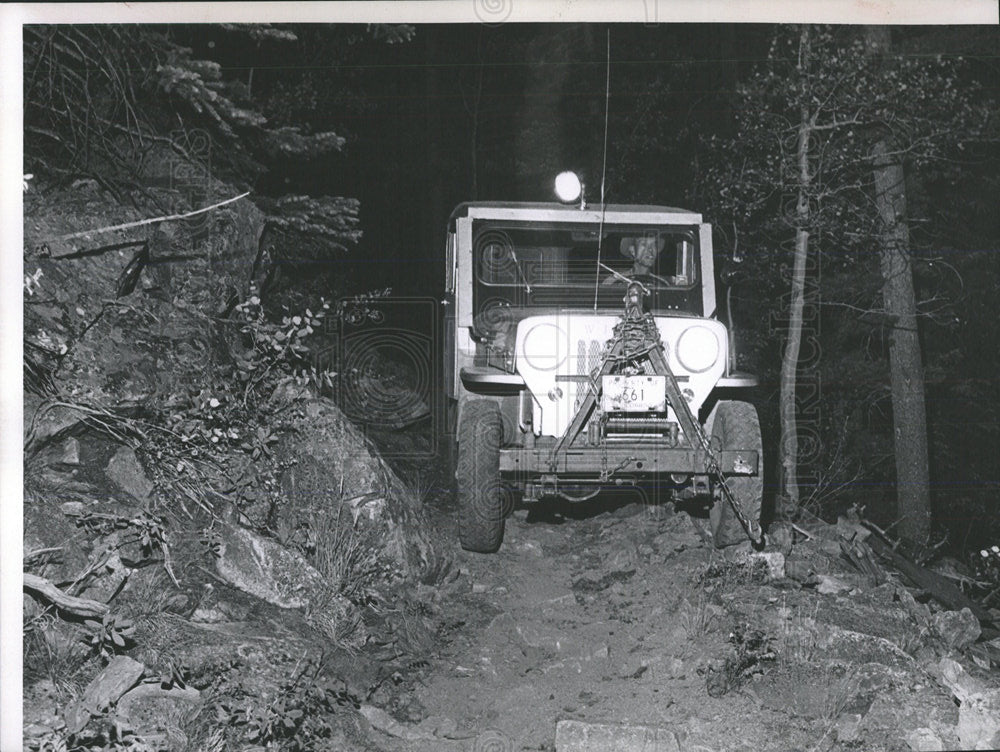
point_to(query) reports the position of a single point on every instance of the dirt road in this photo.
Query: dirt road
(627, 617)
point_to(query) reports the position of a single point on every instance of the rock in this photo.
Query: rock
(128, 474)
(111, 683)
(924, 740)
(108, 581)
(72, 508)
(830, 585)
(622, 559)
(590, 583)
(578, 736)
(847, 727)
(437, 726)
(158, 715)
(897, 710)
(953, 676)
(70, 452)
(42, 710)
(269, 571)
(799, 570)
(264, 568)
(382, 721)
(207, 616)
(126, 357)
(334, 471)
(44, 420)
(979, 708)
(675, 668)
(634, 668)
(957, 629)
(919, 611)
(530, 547)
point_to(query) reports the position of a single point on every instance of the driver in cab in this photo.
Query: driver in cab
(643, 251)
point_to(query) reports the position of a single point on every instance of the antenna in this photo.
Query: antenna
(604, 168)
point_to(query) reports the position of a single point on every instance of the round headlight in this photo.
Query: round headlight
(545, 347)
(568, 186)
(698, 348)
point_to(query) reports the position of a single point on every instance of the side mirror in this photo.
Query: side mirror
(731, 272)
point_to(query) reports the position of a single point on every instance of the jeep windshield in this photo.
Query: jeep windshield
(563, 264)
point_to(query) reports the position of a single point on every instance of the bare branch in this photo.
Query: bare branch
(71, 604)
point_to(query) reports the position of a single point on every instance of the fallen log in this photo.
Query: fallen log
(69, 603)
(940, 588)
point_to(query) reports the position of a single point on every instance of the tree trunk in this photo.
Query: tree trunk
(789, 447)
(909, 419)
(906, 373)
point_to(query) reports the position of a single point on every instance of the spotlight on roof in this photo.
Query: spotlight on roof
(568, 187)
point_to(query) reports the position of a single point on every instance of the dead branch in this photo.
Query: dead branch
(798, 529)
(39, 552)
(938, 587)
(861, 558)
(71, 604)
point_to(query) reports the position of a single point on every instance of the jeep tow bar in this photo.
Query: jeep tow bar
(636, 336)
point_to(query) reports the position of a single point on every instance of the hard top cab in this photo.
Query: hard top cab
(562, 387)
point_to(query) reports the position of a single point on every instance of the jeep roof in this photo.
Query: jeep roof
(554, 211)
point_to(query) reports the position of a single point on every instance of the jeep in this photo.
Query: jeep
(583, 351)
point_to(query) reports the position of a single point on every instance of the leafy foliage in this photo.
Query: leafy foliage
(98, 98)
(328, 222)
(751, 178)
(300, 716)
(938, 116)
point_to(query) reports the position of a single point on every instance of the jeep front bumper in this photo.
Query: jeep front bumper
(603, 462)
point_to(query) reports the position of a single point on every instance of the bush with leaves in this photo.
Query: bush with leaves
(299, 716)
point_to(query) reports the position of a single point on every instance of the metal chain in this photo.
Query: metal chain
(640, 337)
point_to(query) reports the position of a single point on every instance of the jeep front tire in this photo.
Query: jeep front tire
(480, 497)
(735, 425)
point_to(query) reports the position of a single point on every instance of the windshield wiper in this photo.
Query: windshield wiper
(520, 271)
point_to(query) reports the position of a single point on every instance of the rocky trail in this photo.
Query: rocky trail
(626, 630)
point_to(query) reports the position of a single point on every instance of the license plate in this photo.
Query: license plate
(632, 394)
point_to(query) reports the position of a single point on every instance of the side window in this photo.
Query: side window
(684, 273)
(450, 261)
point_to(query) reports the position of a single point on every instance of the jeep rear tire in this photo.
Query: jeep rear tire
(735, 425)
(480, 496)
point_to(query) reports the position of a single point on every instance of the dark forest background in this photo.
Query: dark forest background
(357, 141)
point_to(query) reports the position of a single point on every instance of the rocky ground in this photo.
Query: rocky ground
(605, 626)
(626, 628)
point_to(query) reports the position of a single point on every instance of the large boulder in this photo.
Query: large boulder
(332, 471)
